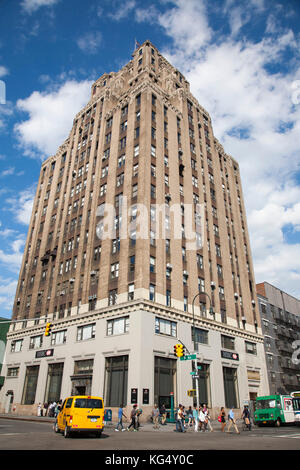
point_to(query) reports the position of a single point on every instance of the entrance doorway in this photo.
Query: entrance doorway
(80, 390)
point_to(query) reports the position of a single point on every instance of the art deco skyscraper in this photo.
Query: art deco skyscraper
(141, 159)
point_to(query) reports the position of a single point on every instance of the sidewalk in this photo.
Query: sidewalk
(110, 426)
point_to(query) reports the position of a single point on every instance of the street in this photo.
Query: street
(35, 435)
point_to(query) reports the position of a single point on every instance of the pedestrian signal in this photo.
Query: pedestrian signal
(191, 393)
(48, 329)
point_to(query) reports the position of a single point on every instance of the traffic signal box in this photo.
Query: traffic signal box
(179, 350)
(48, 329)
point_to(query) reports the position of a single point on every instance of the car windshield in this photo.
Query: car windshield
(265, 404)
(88, 403)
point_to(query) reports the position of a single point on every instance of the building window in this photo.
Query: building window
(152, 264)
(227, 342)
(152, 292)
(134, 190)
(54, 380)
(165, 327)
(132, 263)
(114, 270)
(117, 326)
(250, 348)
(168, 298)
(92, 303)
(16, 346)
(36, 342)
(131, 292)
(230, 387)
(201, 336)
(58, 337)
(103, 189)
(13, 372)
(86, 332)
(116, 379)
(201, 286)
(164, 380)
(30, 384)
(112, 297)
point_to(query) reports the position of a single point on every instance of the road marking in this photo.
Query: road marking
(291, 436)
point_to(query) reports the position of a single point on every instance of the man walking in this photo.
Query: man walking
(133, 418)
(120, 419)
(232, 421)
(155, 416)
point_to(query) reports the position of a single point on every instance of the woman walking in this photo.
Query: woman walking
(222, 418)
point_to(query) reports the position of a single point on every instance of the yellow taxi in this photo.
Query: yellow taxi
(80, 414)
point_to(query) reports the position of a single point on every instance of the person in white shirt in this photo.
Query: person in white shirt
(202, 420)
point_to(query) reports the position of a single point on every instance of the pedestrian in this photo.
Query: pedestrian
(177, 420)
(120, 418)
(133, 419)
(207, 416)
(222, 419)
(196, 418)
(51, 409)
(57, 408)
(45, 409)
(190, 416)
(181, 418)
(202, 419)
(232, 421)
(155, 416)
(163, 414)
(39, 410)
(246, 417)
(139, 412)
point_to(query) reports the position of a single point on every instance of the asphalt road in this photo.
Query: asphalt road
(26, 435)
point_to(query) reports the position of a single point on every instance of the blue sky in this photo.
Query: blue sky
(242, 60)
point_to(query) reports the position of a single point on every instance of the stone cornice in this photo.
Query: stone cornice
(133, 306)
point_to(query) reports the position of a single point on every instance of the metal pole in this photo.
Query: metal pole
(194, 343)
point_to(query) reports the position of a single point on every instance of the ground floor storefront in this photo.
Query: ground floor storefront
(126, 356)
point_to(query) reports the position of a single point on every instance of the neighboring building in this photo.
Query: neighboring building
(4, 327)
(280, 319)
(119, 302)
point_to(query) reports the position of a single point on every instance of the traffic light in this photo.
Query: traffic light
(48, 329)
(179, 350)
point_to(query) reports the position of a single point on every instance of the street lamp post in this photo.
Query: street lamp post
(211, 311)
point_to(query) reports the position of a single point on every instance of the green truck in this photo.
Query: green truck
(274, 409)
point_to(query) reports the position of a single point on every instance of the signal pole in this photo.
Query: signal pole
(195, 369)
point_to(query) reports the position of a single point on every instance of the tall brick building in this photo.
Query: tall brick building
(138, 212)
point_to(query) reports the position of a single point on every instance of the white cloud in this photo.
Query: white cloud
(7, 294)
(12, 259)
(21, 205)
(90, 42)
(187, 24)
(3, 71)
(123, 10)
(8, 172)
(50, 118)
(30, 6)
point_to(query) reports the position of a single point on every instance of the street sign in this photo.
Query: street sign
(195, 375)
(189, 357)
